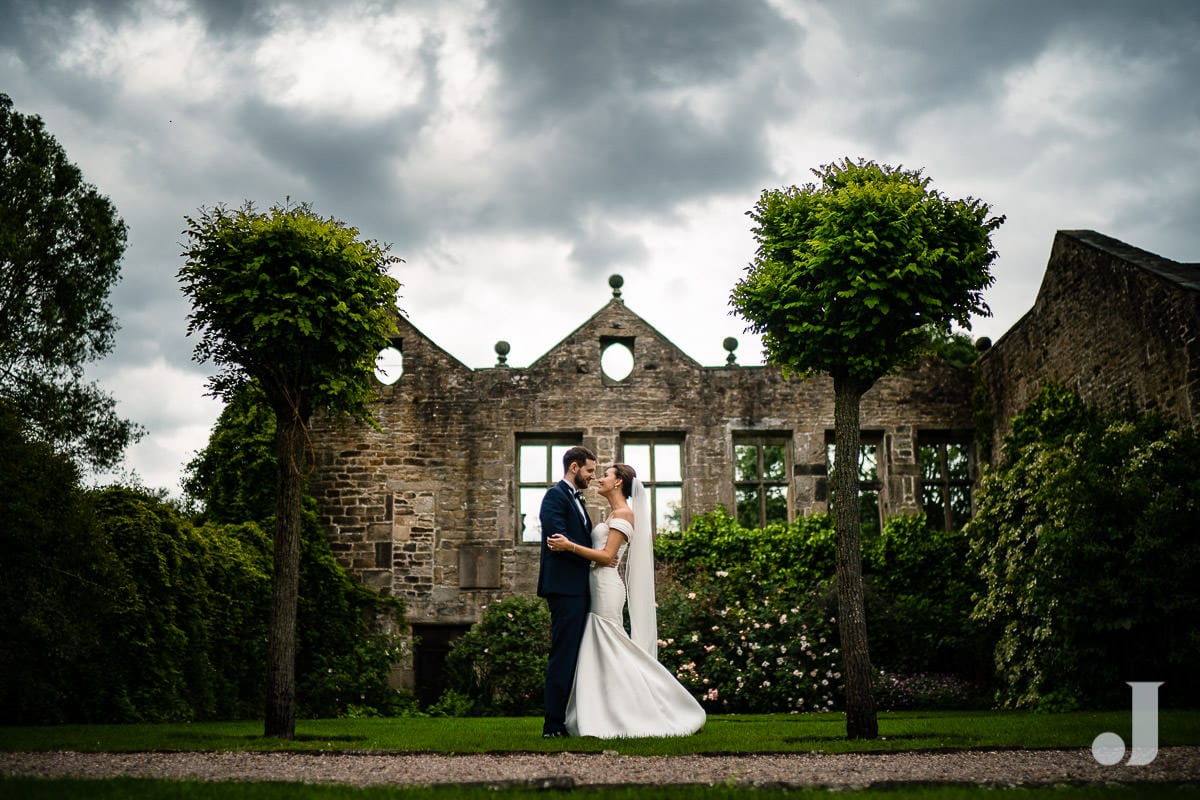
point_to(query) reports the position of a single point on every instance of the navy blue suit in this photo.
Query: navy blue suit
(563, 581)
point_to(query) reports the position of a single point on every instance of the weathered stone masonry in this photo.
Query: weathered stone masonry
(1113, 322)
(427, 507)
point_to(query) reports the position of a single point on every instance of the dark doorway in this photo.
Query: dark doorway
(429, 659)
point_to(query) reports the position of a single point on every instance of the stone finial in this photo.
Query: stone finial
(730, 344)
(983, 343)
(502, 349)
(616, 282)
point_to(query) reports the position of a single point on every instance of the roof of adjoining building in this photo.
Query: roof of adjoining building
(1185, 275)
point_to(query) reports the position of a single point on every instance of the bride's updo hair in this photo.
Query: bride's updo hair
(625, 474)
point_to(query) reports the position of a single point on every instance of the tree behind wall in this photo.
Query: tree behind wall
(301, 306)
(343, 660)
(61, 243)
(847, 273)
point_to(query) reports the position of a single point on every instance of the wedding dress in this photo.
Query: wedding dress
(621, 690)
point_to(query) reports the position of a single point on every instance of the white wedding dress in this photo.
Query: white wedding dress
(621, 690)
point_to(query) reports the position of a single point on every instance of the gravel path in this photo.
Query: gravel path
(993, 767)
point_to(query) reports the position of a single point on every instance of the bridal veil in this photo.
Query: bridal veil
(639, 575)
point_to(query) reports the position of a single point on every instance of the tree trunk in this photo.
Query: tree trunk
(861, 722)
(285, 581)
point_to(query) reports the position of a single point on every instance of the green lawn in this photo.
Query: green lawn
(723, 734)
(126, 789)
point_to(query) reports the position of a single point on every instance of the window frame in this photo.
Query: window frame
(759, 440)
(651, 482)
(549, 441)
(942, 440)
(866, 438)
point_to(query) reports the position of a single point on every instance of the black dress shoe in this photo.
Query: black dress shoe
(554, 735)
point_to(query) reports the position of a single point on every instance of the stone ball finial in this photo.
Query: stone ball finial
(730, 344)
(983, 343)
(616, 282)
(502, 348)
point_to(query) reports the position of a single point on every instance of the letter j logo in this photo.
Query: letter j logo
(1108, 748)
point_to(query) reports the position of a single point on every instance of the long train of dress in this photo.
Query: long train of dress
(621, 690)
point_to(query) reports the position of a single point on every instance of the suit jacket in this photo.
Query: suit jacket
(563, 573)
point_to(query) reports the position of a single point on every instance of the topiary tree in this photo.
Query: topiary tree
(343, 659)
(846, 274)
(300, 305)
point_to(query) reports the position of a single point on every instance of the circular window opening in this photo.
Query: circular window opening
(616, 361)
(389, 366)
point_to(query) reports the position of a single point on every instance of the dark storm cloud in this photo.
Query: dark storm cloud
(601, 247)
(630, 157)
(345, 169)
(915, 61)
(35, 28)
(595, 89)
(556, 55)
(240, 18)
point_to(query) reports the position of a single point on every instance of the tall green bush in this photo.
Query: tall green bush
(45, 561)
(498, 667)
(920, 585)
(235, 565)
(127, 613)
(147, 612)
(1088, 542)
(121, 610)
(725, 588)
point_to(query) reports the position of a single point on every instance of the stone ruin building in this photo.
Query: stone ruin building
(1113, 322)
(440, 506)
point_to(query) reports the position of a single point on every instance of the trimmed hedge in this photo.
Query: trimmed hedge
(123, 611)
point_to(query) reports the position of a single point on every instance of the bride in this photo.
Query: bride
(621, 690)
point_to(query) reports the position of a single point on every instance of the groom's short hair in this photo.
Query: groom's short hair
(577, 455)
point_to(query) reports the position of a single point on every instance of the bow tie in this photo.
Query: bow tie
(578, 496)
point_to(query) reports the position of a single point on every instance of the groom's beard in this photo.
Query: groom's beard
(580, 483)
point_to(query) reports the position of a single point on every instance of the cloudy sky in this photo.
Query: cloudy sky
(517, 153)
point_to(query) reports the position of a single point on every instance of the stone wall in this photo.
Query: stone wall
(1111, 321)
(426, 508)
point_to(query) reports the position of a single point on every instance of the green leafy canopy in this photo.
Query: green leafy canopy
(848, 270)
(295, 301)
(61, 244)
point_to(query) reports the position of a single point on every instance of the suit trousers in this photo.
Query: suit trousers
(568, 617)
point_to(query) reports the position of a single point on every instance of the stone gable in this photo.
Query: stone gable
(1115, 323)
(427, 508)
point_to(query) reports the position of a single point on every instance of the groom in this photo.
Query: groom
(563, 581)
